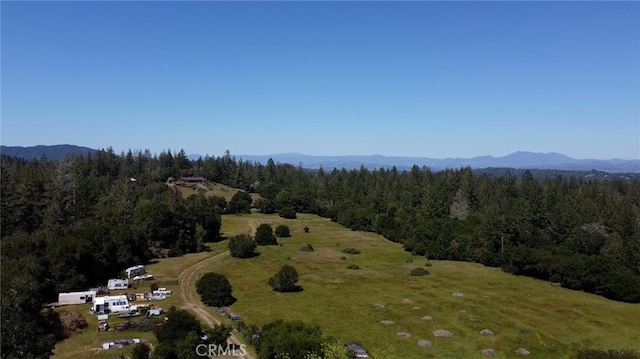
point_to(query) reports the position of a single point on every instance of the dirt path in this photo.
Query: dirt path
(192, 301)
(253, 226)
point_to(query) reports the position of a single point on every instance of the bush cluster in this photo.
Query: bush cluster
(351, 251)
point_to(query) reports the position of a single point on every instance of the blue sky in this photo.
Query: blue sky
(429, 79)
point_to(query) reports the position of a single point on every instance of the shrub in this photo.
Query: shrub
(416, 272)
(264, 235)
(282, 231)
(239, 203)
(351, 251)
(215, 290)
(306, 229)
(353, 266)
(72, 323)
(296, 338)
(154, 286)
(285, 280)
(242, 246)
(287, 212)
(141, 351)
(307, 248)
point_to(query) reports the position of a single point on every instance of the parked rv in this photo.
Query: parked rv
(76, 297)
(134, 271)
(114, 284)
(111, 304)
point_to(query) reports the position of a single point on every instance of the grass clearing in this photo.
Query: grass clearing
(218, 189)
(522, 312)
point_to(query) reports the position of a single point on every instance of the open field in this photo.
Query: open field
(219, 190)
(548, 321)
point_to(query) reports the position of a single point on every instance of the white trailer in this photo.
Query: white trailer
(135, 270)
(76, 297)
(114, 304)
(114, 284)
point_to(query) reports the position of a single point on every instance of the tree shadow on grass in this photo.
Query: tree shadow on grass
(252, 255)
(292, 290)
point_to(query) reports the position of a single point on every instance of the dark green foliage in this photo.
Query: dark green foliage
(419, 272)
(287, 212)
(607, 354)
(153, 286)
(282, 231)
(296, 339)
(264, 235)
(285, 280)
(306, 229)
(266, 206)
(353, 266)
(307, 248)
(215, 290)
(249, 331)
(218, 335)
(206, 212)
(351, 251)
(180, 331)
(26, 332)
(242, 246)
(141, 351)
(179, 322)
(240, 203)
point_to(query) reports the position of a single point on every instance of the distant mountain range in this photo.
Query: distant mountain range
(54, 153)
(516, 160)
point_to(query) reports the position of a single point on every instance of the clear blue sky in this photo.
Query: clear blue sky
(432, 79)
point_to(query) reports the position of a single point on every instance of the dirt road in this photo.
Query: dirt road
(192, 300)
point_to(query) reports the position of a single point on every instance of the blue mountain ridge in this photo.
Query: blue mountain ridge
(516, 160)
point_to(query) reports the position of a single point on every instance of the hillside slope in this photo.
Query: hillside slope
(548, 321)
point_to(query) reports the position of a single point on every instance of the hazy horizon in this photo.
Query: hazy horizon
(399, 79)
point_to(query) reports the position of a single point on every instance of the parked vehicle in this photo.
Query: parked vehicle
(143, 277)
(164, 291)
(103, 326)
(129, 315)
(154, 311)
(135, 270)
(123, 326)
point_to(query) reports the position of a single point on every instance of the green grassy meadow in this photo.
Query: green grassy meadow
(218, 189)
(548, 321)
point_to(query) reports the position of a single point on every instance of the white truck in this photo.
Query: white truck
(153, 311)
(163, 291)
